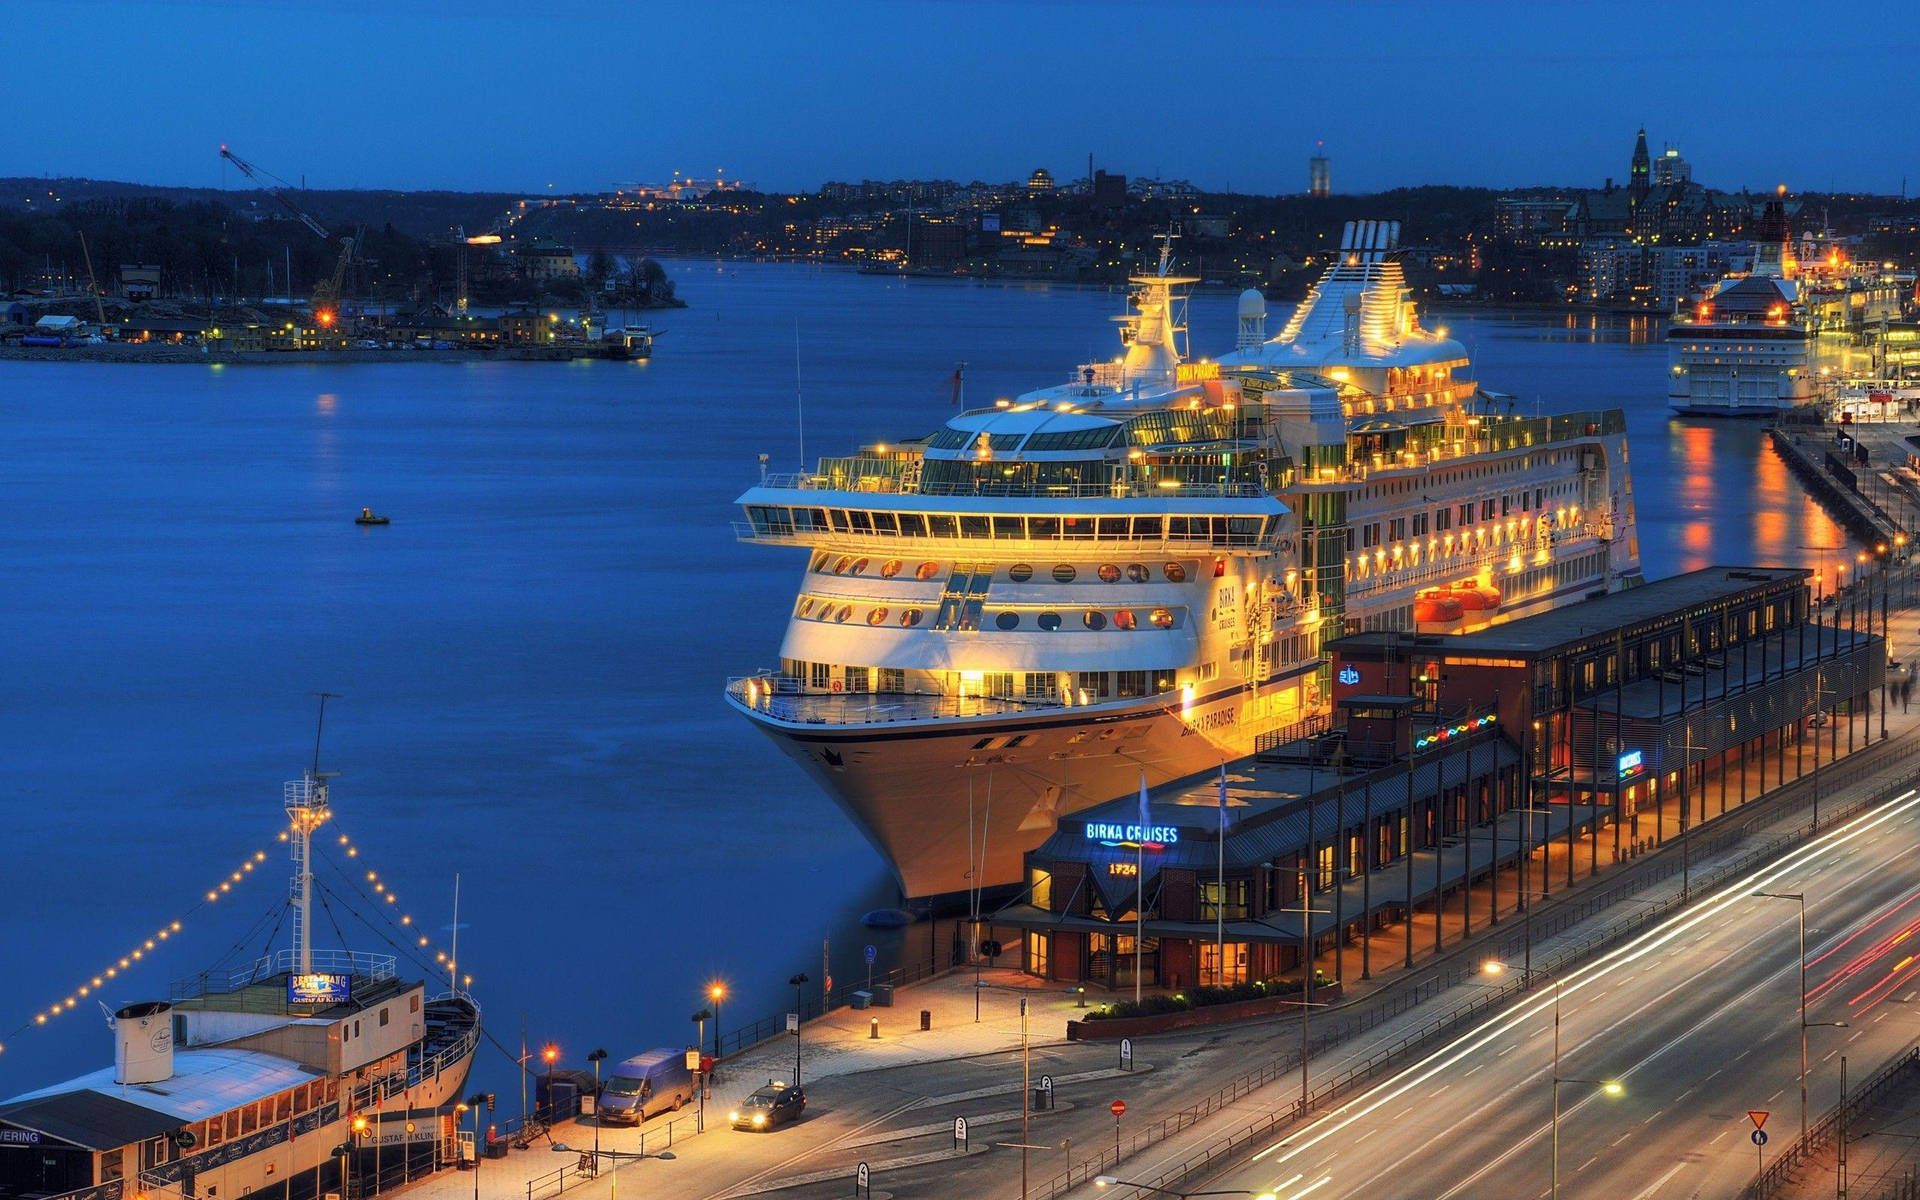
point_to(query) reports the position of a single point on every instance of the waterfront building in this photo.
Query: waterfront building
(541, 261)
(1624, 718)
(1138, 568)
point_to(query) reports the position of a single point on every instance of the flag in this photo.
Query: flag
(1223, 800)
(1146, 817)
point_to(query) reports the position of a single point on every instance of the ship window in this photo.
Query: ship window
(385, 1017)
(877, 617)
(890, 568)
(909, 617)
(820, 561)
(1123, 618)
(975, 527)
(806, 605)
(1020, 572)
(1175, 572)
(1093, 683)
(940, 526)
(1094, 619)
(413, 1002)
(845, 611)
(1137, 573)
(839, 516)
(913, 525)
(1064, 573)
(1162, 619)
(859, 567)
(841, 564)
(1113, 527)
(1132, 683)
(1109, 573)
(893, 680)
(926, 570)
(1048, 621)
(1077, 528)
(862, 521)
(1009, 528)
(1007, 620)
(1042, 529)
(1148, 527)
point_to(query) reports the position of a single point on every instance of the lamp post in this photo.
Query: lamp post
(796, 981)
(716, 992)
(1799, 898)
(550, 1054)
(1106, 1181)
(1886, 631)
(596, 1058)
(1608, 1087)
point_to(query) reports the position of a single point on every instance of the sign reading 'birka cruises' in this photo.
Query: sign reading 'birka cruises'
(319, 989)
(1114, 834)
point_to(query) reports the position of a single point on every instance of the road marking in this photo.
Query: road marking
(1718, 1136)
(1482, 1066)
(1661, 1182)
(1583, 1166)
(1776, 1095)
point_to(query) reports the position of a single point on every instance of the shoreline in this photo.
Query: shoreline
(195, 356)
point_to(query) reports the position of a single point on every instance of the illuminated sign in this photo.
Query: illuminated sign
(1439, 736)
(1123, 868)
(1113, 835)
(319, 989)
(19, 1137)
(1196, 372)
(1631, 762)
(1349, 676)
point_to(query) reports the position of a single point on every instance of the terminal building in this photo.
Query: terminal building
(1585, 734)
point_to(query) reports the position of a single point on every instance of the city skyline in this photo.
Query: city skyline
(481, 96)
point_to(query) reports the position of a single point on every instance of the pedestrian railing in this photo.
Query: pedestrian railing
(1827, 1129)
(584, 1164)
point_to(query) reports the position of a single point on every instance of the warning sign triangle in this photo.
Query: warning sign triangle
(1758, 1117)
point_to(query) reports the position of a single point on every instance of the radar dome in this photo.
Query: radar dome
(1252, 303)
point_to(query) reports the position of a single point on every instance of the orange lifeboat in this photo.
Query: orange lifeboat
(1476, 596)
(1432, 608)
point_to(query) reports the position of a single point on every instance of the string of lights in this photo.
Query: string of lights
(385, 901)
(144, 947)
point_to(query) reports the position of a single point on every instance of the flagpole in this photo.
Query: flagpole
(1220, 889)
(1140, 888)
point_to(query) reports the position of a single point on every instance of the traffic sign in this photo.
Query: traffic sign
(1759, 1118)
(1126, 1054)
(1759, 1137)
(863, 1179)
(793, 1022)
(872, 953)
(1118, 1108)
(960, 1130)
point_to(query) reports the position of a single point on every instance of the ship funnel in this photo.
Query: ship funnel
(143, 1042)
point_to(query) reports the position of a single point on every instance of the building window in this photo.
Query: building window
(893, 680)
(1093, 684)
(1237, 893)
(1211, 973)
(858, 679)
(1040, 888)
(1037, 954)
(1042, 685)
(820, 675)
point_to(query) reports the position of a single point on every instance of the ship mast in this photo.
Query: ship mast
(306, 804)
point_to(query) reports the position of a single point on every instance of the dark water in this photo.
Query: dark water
(531, 657)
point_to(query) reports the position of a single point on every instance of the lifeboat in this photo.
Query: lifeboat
(1436, 607)
(1476, 596)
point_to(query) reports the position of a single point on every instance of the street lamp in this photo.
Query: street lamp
(796, 981)
(716, 992)
(1107, 1181)
(596, 1058)
(1606, 1086)
(550, 1054)
(1799, 898)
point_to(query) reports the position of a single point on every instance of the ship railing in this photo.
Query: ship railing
(397, 1083)
(1455, 567)
(1121, 490)
(781, 534)
(782, 698)
(367, 967)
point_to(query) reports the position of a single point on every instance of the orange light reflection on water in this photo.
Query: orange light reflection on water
(1787, 526)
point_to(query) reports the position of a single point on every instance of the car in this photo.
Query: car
(774, 1104)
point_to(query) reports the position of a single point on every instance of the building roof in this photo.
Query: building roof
(203, 1083)
(89, 1119)
(1577, 622)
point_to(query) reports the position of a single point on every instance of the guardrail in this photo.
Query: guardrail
(1370, 1013)
(584, 1165)
(1826, 1130)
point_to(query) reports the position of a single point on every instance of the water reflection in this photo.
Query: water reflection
(1736, 502)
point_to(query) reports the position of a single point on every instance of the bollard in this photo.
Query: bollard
(873, 1029)
(926, 1020)
(1083, 997)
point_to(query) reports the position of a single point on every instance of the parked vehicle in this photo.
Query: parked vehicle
(644, 1085)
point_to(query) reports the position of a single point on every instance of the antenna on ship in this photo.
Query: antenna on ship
(306, 804)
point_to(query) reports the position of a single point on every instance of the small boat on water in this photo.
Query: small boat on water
(369, 517)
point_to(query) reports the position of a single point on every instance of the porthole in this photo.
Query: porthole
(1020, 572)
(877, 617)
(1048, 621)
(1175, 572)
(1064, 573)
(859, 567)
(909, 617)
(1162, 618)
(840, 567)
(1137, 573)
(1007, 620)
(845, 611)
(1109, 573)
(806, 606)
(1123, 618)
(926, 570)
(821, 560)
(1094, 618)
(890, 568)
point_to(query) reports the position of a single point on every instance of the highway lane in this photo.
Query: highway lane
(1696, 1019)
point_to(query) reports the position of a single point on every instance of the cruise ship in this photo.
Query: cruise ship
(1127, 577)
(306, 1072)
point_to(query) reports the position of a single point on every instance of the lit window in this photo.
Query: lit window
(1109, 573)
(877, 617)
(845, 611)
(1136, 573)
(806, 605)
(909, 617)
(926, 570)
(840, 567)
(890, 568)
(1123, 618)
(859, 567)
(1162, 618)
(1175, 572)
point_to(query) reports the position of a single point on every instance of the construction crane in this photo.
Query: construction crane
(326, 292)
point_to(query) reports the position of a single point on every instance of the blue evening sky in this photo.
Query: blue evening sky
(486, 94)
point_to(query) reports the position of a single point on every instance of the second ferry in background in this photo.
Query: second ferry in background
(1129, 576)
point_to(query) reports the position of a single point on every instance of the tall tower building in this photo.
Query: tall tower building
(1319, 172)
(1639, 177)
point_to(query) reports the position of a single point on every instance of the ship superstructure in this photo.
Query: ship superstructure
(1129, 576)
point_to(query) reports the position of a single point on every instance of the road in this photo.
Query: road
(1697, 1020)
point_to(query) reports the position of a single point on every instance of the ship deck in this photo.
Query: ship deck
(875, 708)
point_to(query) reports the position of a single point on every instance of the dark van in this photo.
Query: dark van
(655, 1082)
